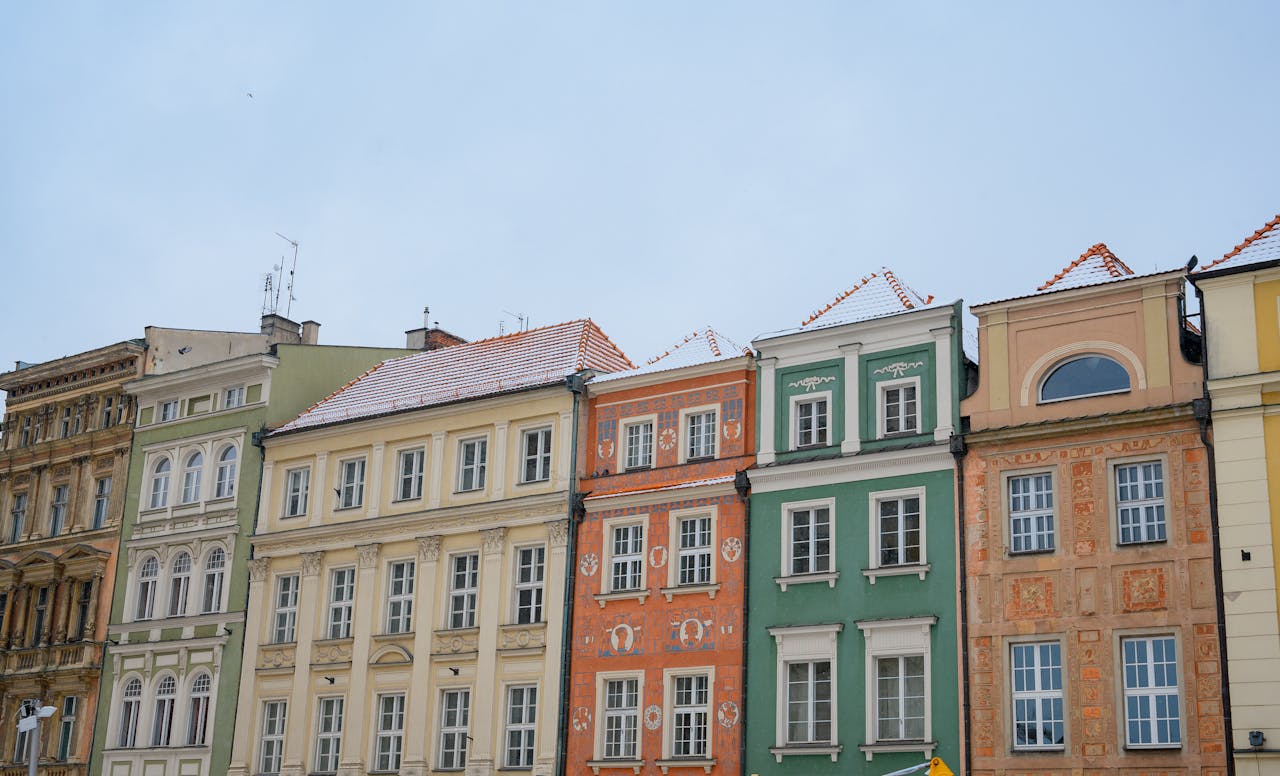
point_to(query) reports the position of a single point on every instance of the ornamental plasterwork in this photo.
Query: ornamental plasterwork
(279, 657)
(898, 368)
(258, 568)
(429, 548)
(558, 532)
(311, 563)
(811, 383)
(731, 549)
(653, 717)
(449, 643)
(367, 555)
(589, 564)
(523, 638)
(494, 540)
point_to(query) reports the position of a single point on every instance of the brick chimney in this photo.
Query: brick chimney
(310, 333)
(430, 339)
(279, 329)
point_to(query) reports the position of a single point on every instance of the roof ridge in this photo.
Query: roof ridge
(839, 298)
(1267, 227)
(711, 340)
(348, 384)
(687, 339)
(591, 324)
(897, 285)
(1109, 260)
(512, 334)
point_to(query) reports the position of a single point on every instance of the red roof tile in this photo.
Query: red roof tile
(876, 295)
(1096, 265)
(1262, 245)
(700, 347)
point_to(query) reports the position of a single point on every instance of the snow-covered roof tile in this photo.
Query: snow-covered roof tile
(522, 360)
(1262, 245)
(661, 488)
(874, 296)
(1096, 265)
(701, 347)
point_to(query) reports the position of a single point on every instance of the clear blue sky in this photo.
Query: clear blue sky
(656, 166)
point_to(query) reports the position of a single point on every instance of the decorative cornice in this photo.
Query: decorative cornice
(851, 468)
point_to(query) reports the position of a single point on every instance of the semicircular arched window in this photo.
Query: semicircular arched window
(1084, 376)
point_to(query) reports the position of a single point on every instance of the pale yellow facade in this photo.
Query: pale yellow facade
(1243, 340)
(434, 655)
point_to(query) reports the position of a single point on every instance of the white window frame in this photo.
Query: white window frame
(542, 460)
(536, 587)
(340, 612)
(1162, 502)
(793, 415)
(686, 432)
(224, 484)
(478, 470)
(786, 575)
(163, 414)
(897, 638)
(900, 696)
(297, 493)
(882, 389)
(671, 710)
(233, 397)
(179, 585)
(1032, 514)
(623, 426)
(145, 599)
(158, 482)
(67, 726)
(463, 599)
(457, 733)
(399, 611)
(388, 739)
(351, 494)
(192, 478)
(526, 728)
(675, 519)
(198, 716)
(273, 735)
(330, 712)
(603, 714)
(284, 617)
(606, 580)
(212, 577)
(920, 567)
(163, 710)
(130, 712)
(18, 517)
(805, 644)
(1039, 694)
(414, 477)
(1151, 691)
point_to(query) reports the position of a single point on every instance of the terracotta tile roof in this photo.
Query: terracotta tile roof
(1262, 245)
(522, 360)
(661, 488)
(701, 347)
(1096, 265)
(874, 296)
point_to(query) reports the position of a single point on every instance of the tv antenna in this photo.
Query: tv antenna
(292, 269)
(521, 318)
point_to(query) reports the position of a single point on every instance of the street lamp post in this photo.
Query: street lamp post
(29, 716)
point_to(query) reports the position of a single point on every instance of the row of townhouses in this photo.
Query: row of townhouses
(1041, 544)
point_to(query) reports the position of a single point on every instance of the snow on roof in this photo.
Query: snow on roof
(874, 296)
(522, 360)
(677, 486)
(1262, 245)
(1096, 265)
(701, 347)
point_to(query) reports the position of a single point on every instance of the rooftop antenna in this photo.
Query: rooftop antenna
(292, 269)
(521, 318)
(426, 313)
(267, 294)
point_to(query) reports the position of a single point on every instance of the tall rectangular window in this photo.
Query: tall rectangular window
(1037, 696)
(286, 617)
(342, 590)
(328, 735)
(809, 702)
(690, 715)
(107, 403)
(409, 475)
(41, 615)
(66, 423)
(18, 521)
(271, 747)
(25, 439)
(78, 423)
(455, 719)
(400, 596)
(899, 530)
(1140, 502)
(639, 446)
(899, 410)
(168, 410)
(67, 727)
(694, 553)
(472, 461)
(1031, 525)
(701, 439)
(900, 698)
(810, 531)
(522, 718)
(530, 571)
(58, 510)
(812, 420)
(537, 455)
(297, 487)
(1151, 714)
(621, 718)
(82, 610)
(626, 561)
(351, 491)
(464, 582)
(101, 501)
(233, 397)
(390, 736)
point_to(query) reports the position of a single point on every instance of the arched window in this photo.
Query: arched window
(198, 716)
(147, 577)
(162, 722)
(129, 706)
(179, 584)
(160, 484)
(1084, 376)
(226, 485)
(214, 565)
(191, 478)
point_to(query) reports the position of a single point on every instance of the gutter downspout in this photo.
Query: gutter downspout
(742, 484)
(1203, 411)
(576, 385)
(959, 450)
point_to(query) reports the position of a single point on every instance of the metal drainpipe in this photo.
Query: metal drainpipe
(743, 485)
(576, 386)
(959, 450)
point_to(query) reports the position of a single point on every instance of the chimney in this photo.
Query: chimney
(430, 339)
(279, 329)
(310, 333)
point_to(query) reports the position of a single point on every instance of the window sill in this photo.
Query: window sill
(634, 469)
(887, 747)
(829, 577)
(625, 595)
(1142, 543)
(351, 508)
(897, 571)
(292, 517)
(542, 481)
(387, 636)
(1153, 747)
(697, 459)
(831, 750)
(809, 448)
(406, 500)
(705, 763)
(1032, 750)
(671, 592)
(596, 765)
(1012, 554)
(231, 497)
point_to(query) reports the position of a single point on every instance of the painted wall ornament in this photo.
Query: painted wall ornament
(581, 718)
(604, 450)
(589, 564)
(691, 631)
(622, 637)
(897, 368)
(811, 383)
(727, 715)
(667, 439)
(732, 429)
(653, 716)
(658, 556)
(731, 549)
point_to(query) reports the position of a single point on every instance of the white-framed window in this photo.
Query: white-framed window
(621, 737)
(1082, 376)
(297, 489)
(351, 483)
(808, 531)
(1152, 710)
(271, 744)
(637, 445)
(162, 719)
(159, 485)
(700, 435)
(530, 573)
(233, 397)
(807, 709)
(286, 612)
(225, 483)
(400, 578)
(168, 410)
(1140, 509)
(342, 593)
(101, 501)
(148, 578)
(811, 420)
(1031, 519)
(900, 698)
(198, 710)
(215, 565)
(626, 557)
(809, 701)
(179, 584)
(536, 456)
(899, 407)
(389, 742)
(328, 734)
(58, 510)
(130, 705)
(409, 474)
(693, 552)
(690, 715)
(191, 471)
(18, 518)
(464, 582)
(455, 721)
(899, 528)
(67, 727)
(473, 457)
(1036, 679)
(899, 673)
(522, 718)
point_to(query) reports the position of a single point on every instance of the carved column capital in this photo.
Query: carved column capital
(429, 548)
(311, 563)
(495, 540)
(558, 532)
(258, 569)
(367, 555)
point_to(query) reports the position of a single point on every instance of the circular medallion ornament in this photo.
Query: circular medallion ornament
(691, 632)
(731, 549)
(582, 718)
(589, 564)
(667, 439)
(658, 557)
(622, 637)
(653, 717)
(727, 714)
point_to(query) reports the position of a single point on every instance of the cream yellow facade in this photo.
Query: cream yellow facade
(1242, 328)
(396, 683)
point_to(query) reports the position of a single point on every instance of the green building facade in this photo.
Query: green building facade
(852, 655)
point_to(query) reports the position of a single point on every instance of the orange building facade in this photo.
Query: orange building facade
(656, 669)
